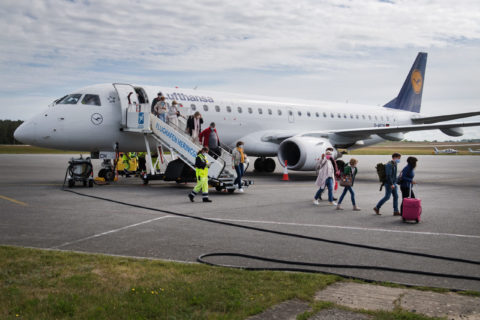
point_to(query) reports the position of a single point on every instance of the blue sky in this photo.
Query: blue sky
(333, 50)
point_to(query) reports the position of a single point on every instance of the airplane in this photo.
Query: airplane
(296, 131)
(448, 151)
(473, 151)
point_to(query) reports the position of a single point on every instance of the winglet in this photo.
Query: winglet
(410, 96)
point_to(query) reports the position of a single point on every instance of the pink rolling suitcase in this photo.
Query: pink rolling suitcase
(412, 208)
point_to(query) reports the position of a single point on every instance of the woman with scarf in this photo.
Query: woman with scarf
(326, 177)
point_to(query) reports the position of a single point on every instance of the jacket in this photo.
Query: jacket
(191, 125)
(237, 157)
(205, 136)
(201, 167)
(325, 170)
(406, 176)
(390, 173)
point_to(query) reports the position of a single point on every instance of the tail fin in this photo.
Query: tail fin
(410, 96)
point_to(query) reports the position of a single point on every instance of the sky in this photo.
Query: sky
(330, 50)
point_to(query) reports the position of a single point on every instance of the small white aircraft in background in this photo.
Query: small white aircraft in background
(473, 151)
(297, 131)
(448, 151)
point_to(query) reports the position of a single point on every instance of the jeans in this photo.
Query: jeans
(162, 117)
(240, 170)
(352, 195)
(329, 185)
(388, 193)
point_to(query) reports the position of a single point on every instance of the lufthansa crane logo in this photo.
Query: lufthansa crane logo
(97, 119)
(417, 81)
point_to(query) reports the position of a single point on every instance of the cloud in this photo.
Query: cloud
(311, 49)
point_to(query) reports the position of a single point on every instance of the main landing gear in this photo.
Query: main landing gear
(263, 164)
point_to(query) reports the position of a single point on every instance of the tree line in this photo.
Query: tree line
(7, 128)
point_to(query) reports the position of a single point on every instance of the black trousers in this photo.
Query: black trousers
(405, 194)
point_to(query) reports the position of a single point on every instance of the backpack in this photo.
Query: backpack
(382, 177)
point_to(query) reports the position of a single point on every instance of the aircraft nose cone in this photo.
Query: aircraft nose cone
(24, 133)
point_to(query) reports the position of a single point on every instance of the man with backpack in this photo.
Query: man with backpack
(389, 181)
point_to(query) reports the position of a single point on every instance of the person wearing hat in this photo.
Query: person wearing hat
(173, 113)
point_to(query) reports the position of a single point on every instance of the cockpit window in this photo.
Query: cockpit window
(91, 99)
(70, 99)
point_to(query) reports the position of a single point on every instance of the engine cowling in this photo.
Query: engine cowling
(302, 152)
(453, 132)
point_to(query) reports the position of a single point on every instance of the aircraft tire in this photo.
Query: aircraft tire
(259, 165)
(269, 165)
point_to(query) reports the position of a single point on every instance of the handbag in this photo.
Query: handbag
(346, 180)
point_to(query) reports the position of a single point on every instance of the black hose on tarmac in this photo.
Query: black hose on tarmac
(201, 258)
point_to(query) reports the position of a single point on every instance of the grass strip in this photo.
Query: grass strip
(42, 284)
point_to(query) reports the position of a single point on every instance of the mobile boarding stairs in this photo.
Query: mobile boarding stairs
(220, 173)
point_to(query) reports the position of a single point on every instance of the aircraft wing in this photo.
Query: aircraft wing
(446, 117)
(407, 128)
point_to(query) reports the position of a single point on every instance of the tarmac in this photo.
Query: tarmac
(35, 212)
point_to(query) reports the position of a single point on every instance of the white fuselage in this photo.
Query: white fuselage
(250, 119)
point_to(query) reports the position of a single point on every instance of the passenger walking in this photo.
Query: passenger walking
(209, 138)
(390, 185)
(239, 159)
(350, 170)
(173, 113)
(201, 170)
(326, 176)
(160, 109)
(405, 179)
(194, 125)
(337, 171)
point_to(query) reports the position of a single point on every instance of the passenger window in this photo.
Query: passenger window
(369, 117)
(229, 109)
(193, 107)
(345, 115)
(339, 115)
(356, 116)
(351, 116)
(299, 113)
(250, 110)
(308, 114)
(376, 118)
(217, 108)
(332, 115)
(260, 111)
(270, 111)
(70, 99)
(290, 113)
(388, 118)
(92, 100)
(324, 114)
(317, 114)
(205, 107)
(239, 109)
(363, 116)
(279, 112)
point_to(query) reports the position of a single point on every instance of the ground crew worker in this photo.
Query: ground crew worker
(142, 167)
(201, 165)
(126, 164)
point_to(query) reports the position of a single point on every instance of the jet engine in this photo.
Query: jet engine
(302, 152)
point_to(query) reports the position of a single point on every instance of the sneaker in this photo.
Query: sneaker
(396, 213)
(206, 200)
(190, 196)
(333, 203)
(355, 208)
(339, 208)
(240, 190)
(377, 211)
(315, 202)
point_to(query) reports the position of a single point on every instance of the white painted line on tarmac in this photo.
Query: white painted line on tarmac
(352, 228)
(109, 232)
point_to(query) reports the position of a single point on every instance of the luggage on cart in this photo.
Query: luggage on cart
(79, 170)
(412, 208)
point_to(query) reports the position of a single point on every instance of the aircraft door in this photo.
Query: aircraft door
(128, 98)
(291, 115)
